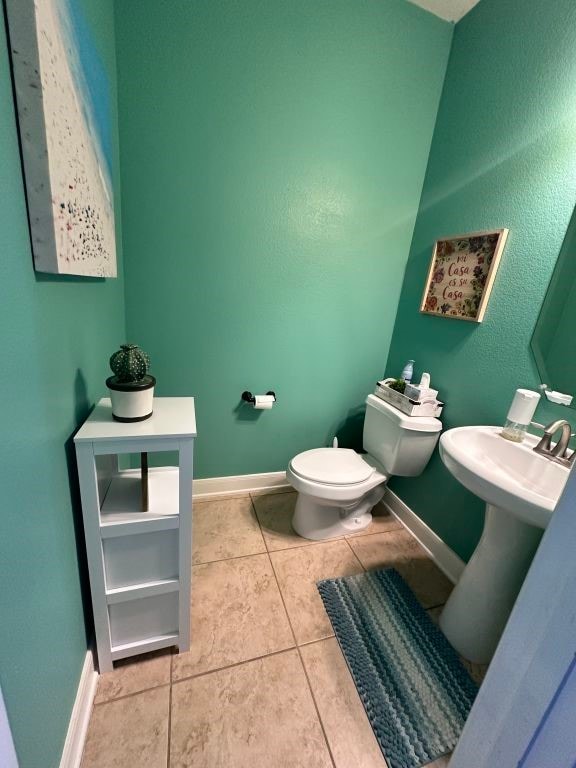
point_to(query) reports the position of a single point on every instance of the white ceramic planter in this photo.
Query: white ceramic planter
(134, 404)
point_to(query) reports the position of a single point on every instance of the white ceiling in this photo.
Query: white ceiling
(451, 10)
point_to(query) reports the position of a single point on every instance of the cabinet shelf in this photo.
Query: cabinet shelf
(146, 524)
(121, 504)
(147, 589)
(143, 646)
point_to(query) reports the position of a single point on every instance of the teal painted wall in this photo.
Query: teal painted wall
(272, 160)
(56, 337)
(503, 155)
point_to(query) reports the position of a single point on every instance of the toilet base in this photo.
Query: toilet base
(318, 519)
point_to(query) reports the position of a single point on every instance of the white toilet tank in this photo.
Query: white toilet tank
(401, 444)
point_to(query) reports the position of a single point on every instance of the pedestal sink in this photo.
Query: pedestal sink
(520, 488)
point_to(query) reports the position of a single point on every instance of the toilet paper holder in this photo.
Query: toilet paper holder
(248, 397)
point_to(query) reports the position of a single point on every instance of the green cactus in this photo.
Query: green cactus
(129, 364)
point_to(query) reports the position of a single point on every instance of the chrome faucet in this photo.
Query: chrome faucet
(558, 452)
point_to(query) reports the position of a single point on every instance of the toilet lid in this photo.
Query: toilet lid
(333, 466)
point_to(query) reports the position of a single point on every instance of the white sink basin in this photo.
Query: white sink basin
(508, 475)
(520, 488)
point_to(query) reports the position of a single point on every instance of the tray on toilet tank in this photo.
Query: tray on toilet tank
(404, 404)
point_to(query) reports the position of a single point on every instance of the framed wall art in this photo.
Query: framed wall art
(64, 115)
(461, 275)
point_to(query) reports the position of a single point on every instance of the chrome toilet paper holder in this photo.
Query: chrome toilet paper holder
(248, 397)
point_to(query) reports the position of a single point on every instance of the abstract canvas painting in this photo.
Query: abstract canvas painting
(63, 105)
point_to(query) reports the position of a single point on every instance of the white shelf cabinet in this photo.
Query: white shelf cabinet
(139, 562)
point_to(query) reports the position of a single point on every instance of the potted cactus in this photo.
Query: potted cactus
(131, 387)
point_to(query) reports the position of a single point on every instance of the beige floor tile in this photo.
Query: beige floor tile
(275, 515)
(382, 521)
(298, 570)
(201, 498)
(382, 550)
(237, 614)
(398, 549)
(435, 612)
(347, 728)
(129, 733)
(225, 528)
(476, 671)
(426, 580)
(255, 715)
(271, 491)
(442, 762)
(133, 675)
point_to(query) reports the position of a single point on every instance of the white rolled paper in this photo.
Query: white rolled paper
(523, 406)
(263, 402)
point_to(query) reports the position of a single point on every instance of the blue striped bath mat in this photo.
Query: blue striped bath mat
(414, 688)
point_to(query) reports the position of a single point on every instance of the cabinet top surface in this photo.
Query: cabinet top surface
(171, 417)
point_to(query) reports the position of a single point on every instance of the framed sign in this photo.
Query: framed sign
(461, 275)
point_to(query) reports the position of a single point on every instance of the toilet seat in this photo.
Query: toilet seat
(342, 490)
(332, 466)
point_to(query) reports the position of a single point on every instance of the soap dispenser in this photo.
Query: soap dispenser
(408, 371)
(520, 415)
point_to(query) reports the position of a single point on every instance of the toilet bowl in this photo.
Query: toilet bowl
(338, 487)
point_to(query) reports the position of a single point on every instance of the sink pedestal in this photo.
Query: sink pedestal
(478, 609)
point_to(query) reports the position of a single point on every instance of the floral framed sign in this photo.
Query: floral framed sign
(461, 275)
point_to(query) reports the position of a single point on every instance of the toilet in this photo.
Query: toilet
(337, 487)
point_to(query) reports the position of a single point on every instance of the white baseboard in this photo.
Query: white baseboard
(444, 557)
(204, 488)
(80, 717)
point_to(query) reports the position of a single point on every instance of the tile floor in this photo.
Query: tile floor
(265, 683)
